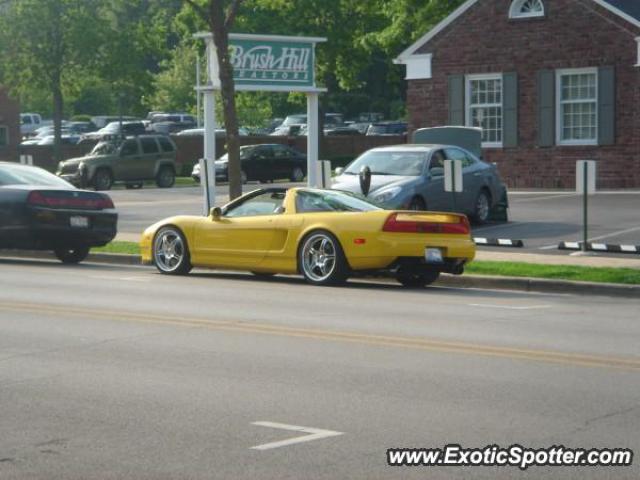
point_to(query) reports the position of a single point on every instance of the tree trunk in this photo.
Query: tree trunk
(227, 85)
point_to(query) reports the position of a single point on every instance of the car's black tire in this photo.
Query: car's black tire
(321, 259)
(417, 279)
(103, 179)
(482, 207)
(297, 175)
(166, 177)
(418, 204)
(170, 252)
(71, 255)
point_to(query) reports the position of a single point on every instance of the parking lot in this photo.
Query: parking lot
(540, 219)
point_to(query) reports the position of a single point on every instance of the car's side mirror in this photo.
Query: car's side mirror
(215, 213)
(339, 171)
(436, 171)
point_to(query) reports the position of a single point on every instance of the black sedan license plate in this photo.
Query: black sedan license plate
(79, 222)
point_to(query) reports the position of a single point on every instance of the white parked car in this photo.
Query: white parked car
(29, 123)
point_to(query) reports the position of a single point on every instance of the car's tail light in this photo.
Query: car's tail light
(427, 223)
(55, 200)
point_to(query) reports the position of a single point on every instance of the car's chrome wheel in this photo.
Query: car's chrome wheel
(482, 207)
(170, 252)
(321, 259)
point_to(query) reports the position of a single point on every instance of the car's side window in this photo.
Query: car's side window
(457, 154)
(166, 145)
(268, 203)
(149, 145)
(129, 147)
(436, 166)
(280, 152)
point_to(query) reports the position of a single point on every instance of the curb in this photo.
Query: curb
(600, 247)
(519, 284)
(498, 242)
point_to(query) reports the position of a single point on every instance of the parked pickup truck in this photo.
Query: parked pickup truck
(29, 123)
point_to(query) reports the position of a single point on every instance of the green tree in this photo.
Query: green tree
(45, 45)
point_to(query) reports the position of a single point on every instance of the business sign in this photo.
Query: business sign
(268, 62)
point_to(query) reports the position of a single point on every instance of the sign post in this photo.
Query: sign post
(264, 63)
(453, 179)
(586, 185)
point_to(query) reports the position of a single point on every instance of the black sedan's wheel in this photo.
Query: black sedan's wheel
(482, 207)
(417, 280)
(71, 255)
(321, 259)
(417, 203)
(171, 253)
(103, 180)
(297, 175)
(166, 177)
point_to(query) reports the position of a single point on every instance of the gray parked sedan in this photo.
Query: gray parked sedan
(412, 177)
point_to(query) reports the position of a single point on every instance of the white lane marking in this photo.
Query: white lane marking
(615, 234)
(311, 434)
(124, 279)
(509, 307)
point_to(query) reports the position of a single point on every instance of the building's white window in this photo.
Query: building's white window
(484, 107)
(4, 136)
(526, 9)
(577, 106)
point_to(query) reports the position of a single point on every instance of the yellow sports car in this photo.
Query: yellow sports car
(326, 235)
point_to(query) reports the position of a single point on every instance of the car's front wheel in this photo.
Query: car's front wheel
(103, 179)
(482, 207)
(321, 259)
(417, 279)
(171, 252)
(71, 255)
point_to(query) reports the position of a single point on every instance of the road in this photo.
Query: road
(540, 219)
(120, 373)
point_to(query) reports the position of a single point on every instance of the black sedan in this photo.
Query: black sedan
(264, 162)
(39, 211)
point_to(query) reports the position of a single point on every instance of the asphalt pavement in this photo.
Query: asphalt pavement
(541, 219)
(120, 373)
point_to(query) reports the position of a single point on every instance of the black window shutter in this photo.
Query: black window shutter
(606, 106)
(546, 108)
(456, 100)
(510, 110)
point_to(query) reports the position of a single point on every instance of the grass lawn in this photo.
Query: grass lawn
(627, 276)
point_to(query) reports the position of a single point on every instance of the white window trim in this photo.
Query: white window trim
(467, 102)
(516, 5)
(559, 74)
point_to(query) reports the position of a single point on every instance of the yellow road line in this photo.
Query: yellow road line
(625, 363)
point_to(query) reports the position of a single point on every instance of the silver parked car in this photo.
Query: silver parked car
(412, 177)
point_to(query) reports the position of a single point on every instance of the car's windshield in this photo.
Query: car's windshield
(294, 120)
(112, 127)
(331, 201)
(104, 148)
(23, 175)
(389, 163)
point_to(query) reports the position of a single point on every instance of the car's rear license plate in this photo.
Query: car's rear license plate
(433, 255)
(79, 222)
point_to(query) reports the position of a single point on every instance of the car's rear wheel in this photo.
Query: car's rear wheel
(321, 259)
(171, 252)
(417, 279)
(103, 180)
(297, 175)
(417, 203)
(166, 177)
(482, 207)
(71, 255)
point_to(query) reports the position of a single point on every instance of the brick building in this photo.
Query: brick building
(10, 136)
(549, 81)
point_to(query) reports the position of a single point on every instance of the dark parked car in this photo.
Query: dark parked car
(39, 211)
(112, 131)
(132, 161)
(387, 128)
(265, 162)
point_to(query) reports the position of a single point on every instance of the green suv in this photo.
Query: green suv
(131, 160)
